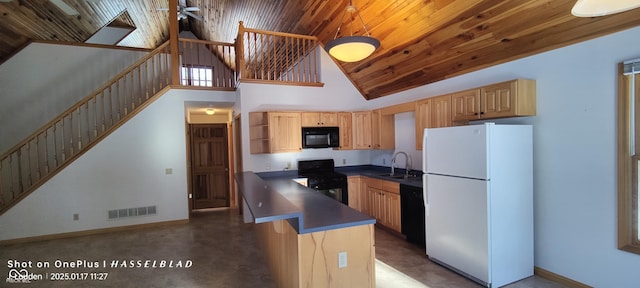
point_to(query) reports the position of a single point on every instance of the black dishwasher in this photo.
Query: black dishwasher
(412, 213)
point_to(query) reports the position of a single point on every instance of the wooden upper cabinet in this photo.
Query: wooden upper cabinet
(259, 132)
(506, 99)
(362, 130)
(375, 129)
(345, 124)
(432, 113)
(273, 132)
(441, 112)
(383, 136)
(285, 132)
(466, 105)
(315, 119)
(423, 119)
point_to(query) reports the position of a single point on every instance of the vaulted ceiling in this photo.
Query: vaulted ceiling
(422, 41)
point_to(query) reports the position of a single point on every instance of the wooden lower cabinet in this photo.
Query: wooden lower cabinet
(382, 201)
(353, 187)
(392, 215)
(391, 204)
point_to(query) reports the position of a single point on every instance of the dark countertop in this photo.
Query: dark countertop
(277, 196)
(274, 196)
(381, 172)
(373, 171)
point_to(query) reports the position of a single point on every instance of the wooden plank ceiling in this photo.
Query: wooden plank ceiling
(421, 41)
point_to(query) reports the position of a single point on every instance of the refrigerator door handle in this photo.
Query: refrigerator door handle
(424, 150)
(426, 195)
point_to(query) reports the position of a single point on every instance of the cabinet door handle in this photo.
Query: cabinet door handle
(476, 114)
(481, 113)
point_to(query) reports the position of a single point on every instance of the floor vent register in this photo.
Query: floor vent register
(131, 212)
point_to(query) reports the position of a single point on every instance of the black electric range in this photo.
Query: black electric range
(322, 177)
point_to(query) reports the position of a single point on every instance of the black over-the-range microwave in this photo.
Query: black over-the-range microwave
(320, 137)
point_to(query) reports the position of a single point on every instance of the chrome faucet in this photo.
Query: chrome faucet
(407, 162)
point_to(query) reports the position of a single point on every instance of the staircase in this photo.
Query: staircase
(265, 57)
(47, 151)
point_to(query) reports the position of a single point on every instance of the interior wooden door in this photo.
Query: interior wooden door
(210, 165)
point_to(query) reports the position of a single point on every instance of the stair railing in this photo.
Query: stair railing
(37, 158)
(30, 163)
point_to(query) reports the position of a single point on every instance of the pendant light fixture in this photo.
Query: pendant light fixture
(594, 8)
(352, 48)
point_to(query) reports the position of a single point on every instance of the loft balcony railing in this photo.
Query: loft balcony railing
(207, 65)
(34, 160)
(277, 58)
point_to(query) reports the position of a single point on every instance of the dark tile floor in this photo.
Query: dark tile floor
(221, 249)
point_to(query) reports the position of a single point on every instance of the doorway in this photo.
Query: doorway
(237, 132)
(209, 165)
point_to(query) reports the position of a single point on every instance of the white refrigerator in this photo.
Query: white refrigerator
(478, 193)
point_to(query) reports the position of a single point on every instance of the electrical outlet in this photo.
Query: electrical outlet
(342, 259)
(168, 171)
(384, 161)
(268, 166)
(344, 161)
(76, 217)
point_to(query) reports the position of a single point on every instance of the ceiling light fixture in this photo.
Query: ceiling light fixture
(209, 111)
(352, 48)
(594, 8)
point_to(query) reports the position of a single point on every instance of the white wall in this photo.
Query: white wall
(337, 95)
(574, 154)
(125, 170)
(43, 80)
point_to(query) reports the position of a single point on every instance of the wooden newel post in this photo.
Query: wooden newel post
(240, 51)
(173, 42)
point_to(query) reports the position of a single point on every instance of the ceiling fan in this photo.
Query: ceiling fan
(185, 12)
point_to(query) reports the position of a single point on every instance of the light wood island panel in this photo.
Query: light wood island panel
(311, 259)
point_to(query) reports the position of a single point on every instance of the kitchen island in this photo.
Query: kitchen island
(309, 240)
